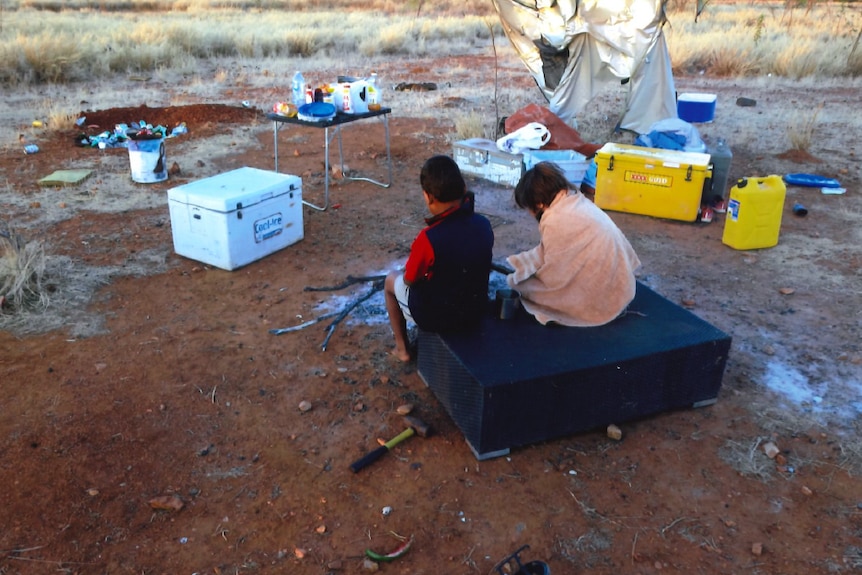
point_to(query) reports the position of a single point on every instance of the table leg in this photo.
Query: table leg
(326, 139)
(385, 119)
(275, 142)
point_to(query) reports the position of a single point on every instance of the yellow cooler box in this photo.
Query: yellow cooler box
(754, 211)
(651, 181)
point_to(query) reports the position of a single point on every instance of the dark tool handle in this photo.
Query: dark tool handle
(501, 268)
(368, 459)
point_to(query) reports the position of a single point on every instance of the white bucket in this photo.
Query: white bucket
(147, 160)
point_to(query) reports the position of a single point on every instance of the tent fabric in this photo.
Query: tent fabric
(575, 49)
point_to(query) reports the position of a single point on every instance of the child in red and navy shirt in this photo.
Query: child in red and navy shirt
(444, 286)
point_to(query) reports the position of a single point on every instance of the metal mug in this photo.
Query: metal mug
(507, 303)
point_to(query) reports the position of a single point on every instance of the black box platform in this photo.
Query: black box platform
(515, 382)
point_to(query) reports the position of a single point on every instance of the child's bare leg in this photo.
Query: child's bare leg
(396, 318)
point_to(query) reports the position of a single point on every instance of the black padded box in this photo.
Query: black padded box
(515, 382)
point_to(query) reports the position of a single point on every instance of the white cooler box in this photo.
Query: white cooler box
(235, 218)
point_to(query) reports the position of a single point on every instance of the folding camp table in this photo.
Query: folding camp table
(335, 122)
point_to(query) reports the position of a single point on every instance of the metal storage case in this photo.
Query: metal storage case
(237, 217)
(651, 181)
(480, 157)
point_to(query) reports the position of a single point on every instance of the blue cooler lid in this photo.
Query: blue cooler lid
(316, 111)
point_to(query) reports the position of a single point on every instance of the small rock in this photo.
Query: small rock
(769, 350)
(321, 529)
(614, 432)
(369, 565)
(746, 102)
(35, 204)
(299, 553)
(770, 449)
(806, 490)
(757, 549)
(780, 460)
(167, 503)
(174, 169)
(384, 379)
(335, 565)
(405, 409)
(358, 406)
(200, 163)
(786, 291)
(92, 492)
(304, 406)
(688, 303)
(62, 204)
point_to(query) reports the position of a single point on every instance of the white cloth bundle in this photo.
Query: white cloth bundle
(531, 136)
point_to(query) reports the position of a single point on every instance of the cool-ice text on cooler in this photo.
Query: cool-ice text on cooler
(262, 226)
(268, 227)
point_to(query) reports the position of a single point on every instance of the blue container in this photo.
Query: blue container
(696, 108)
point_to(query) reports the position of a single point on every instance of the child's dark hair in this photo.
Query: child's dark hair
(540, 185)
(441, 178)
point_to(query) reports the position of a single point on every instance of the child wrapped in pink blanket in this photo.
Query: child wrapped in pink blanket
(582, 273)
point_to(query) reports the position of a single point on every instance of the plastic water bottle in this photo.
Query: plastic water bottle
(373, 92)
(721, 157)
(298, 89)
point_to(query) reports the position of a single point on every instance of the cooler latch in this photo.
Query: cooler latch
(611, 164)
(688, 174)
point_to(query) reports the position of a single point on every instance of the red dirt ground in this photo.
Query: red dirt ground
(186, 396)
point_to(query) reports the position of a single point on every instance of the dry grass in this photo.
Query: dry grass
(22, 270)
(61, 42)
(748, 459)
(800, 129)
(764, 38)
(470, 125)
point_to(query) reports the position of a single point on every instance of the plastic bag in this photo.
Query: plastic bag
(672, 134)
(529, 137)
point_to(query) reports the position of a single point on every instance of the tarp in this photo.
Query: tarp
(576, 49)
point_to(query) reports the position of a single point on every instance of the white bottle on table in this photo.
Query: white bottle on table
(373, 92)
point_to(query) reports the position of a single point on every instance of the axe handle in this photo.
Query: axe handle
(373, 456)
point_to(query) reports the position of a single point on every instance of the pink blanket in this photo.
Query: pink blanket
(582, 271)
